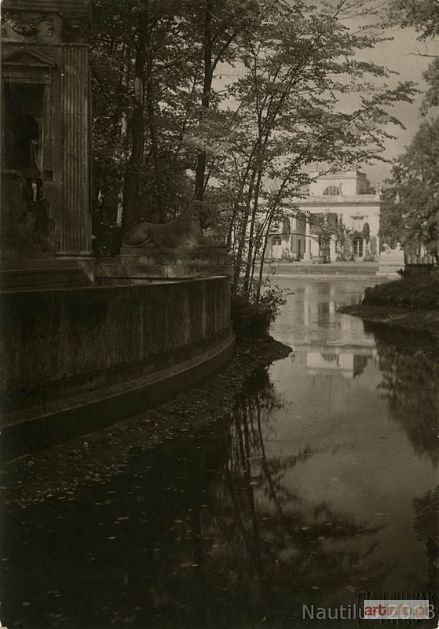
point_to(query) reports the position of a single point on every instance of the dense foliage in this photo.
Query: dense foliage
(421, 14)
(411, 212)
(229, 101)
(253, 312)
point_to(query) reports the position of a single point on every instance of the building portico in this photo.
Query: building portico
(46, 117)
(338, 220)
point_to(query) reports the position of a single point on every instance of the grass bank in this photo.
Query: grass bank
(419, 291)
(410, 304)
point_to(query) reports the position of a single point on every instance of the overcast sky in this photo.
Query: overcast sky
(404, 54)
(401, 55)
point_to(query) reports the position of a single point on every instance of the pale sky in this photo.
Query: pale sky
(401, 55)
(404, 55)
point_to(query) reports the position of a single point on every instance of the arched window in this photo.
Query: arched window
(332, 191)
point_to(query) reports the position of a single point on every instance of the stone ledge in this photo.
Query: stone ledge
(27, 278)
(135, 264)
(36, 428)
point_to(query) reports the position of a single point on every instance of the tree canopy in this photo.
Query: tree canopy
(412, 198)
(230, 100)
(423, 15)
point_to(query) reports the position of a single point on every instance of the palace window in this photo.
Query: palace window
(358, 247)
(357, 223)
(332, 191)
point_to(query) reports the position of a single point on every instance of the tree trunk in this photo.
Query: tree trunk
(137, 124)
(150, 102)
(252, 232)
(256, 246)
(200, 168)
(243, 230)
(262, 262)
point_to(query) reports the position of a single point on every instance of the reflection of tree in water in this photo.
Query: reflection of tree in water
(207, 533)
(410, 386)
(287, 541)
(427, 531)
(256, 549)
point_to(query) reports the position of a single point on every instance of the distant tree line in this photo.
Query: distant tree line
(411, 196)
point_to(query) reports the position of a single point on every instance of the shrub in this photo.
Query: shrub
(252, 314)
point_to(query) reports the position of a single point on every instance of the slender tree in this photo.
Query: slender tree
(298, 66)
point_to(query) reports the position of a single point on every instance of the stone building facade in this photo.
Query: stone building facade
(46, 116)
(338, 220)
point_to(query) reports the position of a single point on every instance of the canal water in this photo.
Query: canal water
(321, 486)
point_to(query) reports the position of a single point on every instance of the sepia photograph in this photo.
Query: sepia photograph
(219, 314)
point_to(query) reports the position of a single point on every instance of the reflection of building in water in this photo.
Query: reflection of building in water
(316, 309)
(345, 361)
(320, 303)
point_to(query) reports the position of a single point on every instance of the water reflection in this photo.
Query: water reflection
(321, 485)
(297, 545)
(344, 361)
(410, 386)
(369, 408)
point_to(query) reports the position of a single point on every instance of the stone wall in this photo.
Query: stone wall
(79, 344)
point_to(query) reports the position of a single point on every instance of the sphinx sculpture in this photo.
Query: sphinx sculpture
(180, 234)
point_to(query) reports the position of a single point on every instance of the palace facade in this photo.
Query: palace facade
(338, 220)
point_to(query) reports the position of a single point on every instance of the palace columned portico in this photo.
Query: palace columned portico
(337, 221)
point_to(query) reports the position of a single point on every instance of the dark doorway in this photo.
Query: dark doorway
(22, 128)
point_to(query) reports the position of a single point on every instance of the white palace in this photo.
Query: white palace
(338, 220)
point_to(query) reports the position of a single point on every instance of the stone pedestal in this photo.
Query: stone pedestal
(137, 265)
(17, 240)
(26, 260)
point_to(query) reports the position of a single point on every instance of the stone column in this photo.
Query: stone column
(332, 249)
(307, 252)
(76, 218)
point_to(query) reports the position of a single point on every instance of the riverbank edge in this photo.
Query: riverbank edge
(413, 320)
(98, 456)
